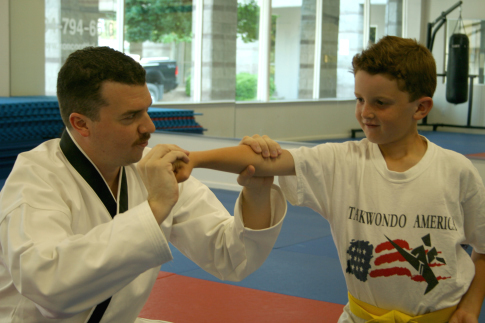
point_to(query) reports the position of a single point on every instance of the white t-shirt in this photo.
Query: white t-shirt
(398, 235)
(61, 253)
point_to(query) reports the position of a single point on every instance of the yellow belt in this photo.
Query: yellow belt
(378, 315)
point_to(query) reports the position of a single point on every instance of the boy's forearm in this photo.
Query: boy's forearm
(256, 207)
(236, 159)
(472, 301)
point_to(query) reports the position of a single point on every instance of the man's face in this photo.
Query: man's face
(124, 126)
(383, 111)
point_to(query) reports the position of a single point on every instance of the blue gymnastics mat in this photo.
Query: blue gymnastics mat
(463, 143)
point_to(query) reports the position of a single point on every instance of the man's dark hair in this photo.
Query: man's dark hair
(80, 79)
(402, 59)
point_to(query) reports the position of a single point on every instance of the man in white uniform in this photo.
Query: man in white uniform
(84, 229)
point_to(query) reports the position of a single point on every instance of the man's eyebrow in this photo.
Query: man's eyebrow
(132, 112)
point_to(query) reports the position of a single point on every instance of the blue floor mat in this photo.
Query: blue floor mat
(180, 264)
(300, 225)
(463, 143)
(324, 247)
(294, 274)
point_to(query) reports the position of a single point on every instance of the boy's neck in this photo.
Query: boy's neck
(401, 157)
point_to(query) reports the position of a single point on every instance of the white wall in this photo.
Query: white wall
(4, 49)
(297, 121)
(415, 19)
(27, 53)
(288, 121)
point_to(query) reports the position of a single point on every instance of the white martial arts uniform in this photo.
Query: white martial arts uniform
(61, 253)
(428, 211)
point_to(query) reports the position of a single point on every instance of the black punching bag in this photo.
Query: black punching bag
(457, 73)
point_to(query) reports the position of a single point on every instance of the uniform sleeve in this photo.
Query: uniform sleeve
(48, 262)
(205, 232)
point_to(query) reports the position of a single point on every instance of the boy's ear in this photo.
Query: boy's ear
(423, 107)
(80, 123)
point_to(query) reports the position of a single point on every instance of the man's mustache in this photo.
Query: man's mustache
(144, 137)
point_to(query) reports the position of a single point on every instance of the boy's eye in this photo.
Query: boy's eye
(360, 100)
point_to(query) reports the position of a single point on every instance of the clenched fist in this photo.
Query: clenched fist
(157, 172)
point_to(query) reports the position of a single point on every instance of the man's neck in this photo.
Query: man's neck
(111, 176)
(108, 172)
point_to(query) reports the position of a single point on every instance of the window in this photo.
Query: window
(243, 50)
(69, 25)
(247, 50)
(159, 35)
(292, 24)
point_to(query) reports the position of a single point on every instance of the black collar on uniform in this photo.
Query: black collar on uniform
(91, 175)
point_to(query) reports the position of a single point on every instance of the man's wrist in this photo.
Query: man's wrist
(160, 210)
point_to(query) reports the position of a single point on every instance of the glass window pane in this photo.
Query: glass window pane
(350, 42)
(159, 35)
(385, 19)
(247, 50)
(219, 50)
(306, 48)
(288, 17)
(70, 25)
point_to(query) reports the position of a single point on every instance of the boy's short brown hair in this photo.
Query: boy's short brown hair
(403, 59)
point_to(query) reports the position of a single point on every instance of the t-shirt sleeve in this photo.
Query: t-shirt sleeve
(312, 184)
(473, 203)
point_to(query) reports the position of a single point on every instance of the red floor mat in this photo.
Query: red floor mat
(477, 156)
(181, 299)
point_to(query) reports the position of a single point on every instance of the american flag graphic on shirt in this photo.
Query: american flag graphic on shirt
(395, 257)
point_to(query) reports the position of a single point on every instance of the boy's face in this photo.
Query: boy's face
(383, 111)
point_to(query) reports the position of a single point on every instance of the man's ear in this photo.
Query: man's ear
(423, 107)
(80, 123)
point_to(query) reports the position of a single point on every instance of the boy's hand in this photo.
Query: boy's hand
(264, 145)
(182, 170)
(461, 316)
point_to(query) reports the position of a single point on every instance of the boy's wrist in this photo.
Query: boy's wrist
(196, 159)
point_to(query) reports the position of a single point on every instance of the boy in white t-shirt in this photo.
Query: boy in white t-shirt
(399, 206)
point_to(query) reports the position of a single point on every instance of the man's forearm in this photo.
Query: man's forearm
(236, 159)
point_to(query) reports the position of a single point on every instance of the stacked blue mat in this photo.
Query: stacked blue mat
(25, 122)
(175, 120)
